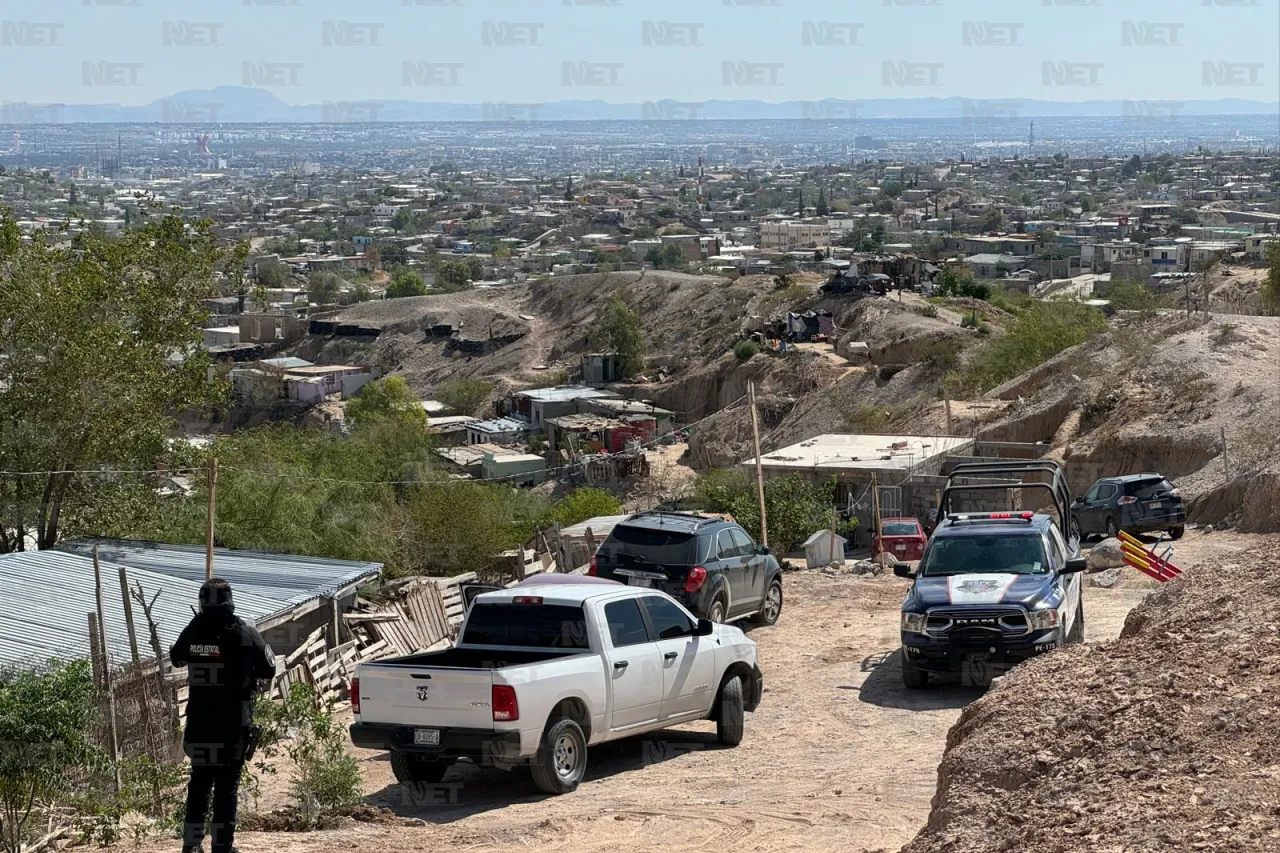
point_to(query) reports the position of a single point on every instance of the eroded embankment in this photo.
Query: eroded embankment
(1166, 739)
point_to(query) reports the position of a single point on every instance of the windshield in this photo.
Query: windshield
(1145, 489)
(1022, 554)
(899, 528)
(642, 545)
(534, 626)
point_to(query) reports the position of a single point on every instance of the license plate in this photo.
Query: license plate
(978, 657)
(900, 547)
(1155, 504)
(426, 737)
(635, 581)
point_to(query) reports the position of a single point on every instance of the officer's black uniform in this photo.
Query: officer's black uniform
(225, 658)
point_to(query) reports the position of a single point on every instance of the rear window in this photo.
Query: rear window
(535, 626)
(899, 528)
(642, 545)
(1143, 489)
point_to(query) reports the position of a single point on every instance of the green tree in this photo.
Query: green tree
(1271, 284)
(463, 395)
(452, 276)
(993, 221)
(402, 220)
(273, 274)
(796, 507)
(584, 503)
(392, 255)
(87, 363)
(823, 210)
(323, 287)
(618, 330)
(389, 398)
(46, 715)
(406, 283)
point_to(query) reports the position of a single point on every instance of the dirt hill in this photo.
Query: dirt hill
(1163, 740)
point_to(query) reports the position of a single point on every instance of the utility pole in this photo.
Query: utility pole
(213, 511)
(875, 508)
(946, 403)
(755, 440)
(106, 672)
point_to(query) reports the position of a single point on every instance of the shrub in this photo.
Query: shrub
(795, 506)
(584, 503)
(464, 395)
(1041, 332)
(744, 350)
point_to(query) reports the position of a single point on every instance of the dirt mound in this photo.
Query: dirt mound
(1163, 740)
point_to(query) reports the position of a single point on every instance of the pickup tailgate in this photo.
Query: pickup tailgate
(426, 696)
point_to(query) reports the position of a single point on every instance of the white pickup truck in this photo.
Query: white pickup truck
(541, 672)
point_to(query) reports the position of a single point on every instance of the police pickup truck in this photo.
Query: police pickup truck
(992, 588)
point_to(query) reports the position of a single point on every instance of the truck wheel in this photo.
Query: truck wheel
(1176, 533)
(409, 768)
(1112, 530)
(561, 761)
(717, 611)
(771, 607)
(1077, 630)
(730, 720)
(1075, 530)
(913, 678)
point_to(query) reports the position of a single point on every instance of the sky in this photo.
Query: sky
(135, 52)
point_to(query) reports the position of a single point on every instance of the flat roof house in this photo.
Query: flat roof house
(537, 405)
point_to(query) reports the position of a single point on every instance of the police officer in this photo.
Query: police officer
(225, 659)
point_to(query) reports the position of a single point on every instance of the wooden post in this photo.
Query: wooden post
(946, 407)
(128, 618)
(875, 507)
(106, 671)
(1226, 469)
(144, 703)
(95, 649)
(591, 546)
(755, 440)
(213, 511)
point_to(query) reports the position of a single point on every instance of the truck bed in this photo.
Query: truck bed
(477, 658)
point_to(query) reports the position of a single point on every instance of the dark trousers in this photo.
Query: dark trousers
(222, 780)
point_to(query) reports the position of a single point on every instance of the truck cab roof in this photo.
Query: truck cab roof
(553, 593)
(1013, 522)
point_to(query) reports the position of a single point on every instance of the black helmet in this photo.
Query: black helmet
(215, 597)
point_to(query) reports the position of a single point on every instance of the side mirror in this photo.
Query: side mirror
(1079, 500)
(764, 549)
(903, 570)
(705, 628)
(1079, 564)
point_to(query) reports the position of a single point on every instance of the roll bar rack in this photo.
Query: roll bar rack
(1057, 484)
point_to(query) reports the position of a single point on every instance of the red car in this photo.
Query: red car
(904, 538)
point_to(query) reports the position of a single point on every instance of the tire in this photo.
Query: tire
(1075, 530)
(1112, 530)
(913, 678)
(1077, 630)
(731, 719)
(771, 607)
(1176, 533)
(561, 760)
(717, 611)
(412, 769)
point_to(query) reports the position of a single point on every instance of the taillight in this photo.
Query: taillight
(505, 707)
(695, 579)
(527, 599)
(1175, 493)
(1127, 499)
(355, 696)
(593, 568)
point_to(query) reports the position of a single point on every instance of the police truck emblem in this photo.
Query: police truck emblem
(422, 693)
(977, 586)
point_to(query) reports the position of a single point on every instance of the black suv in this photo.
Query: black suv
(708, 564)
(1134, 503)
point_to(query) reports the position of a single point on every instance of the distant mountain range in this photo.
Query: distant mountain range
(239, 104)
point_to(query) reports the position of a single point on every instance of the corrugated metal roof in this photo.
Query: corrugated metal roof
(48, 594)
(287, 579)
